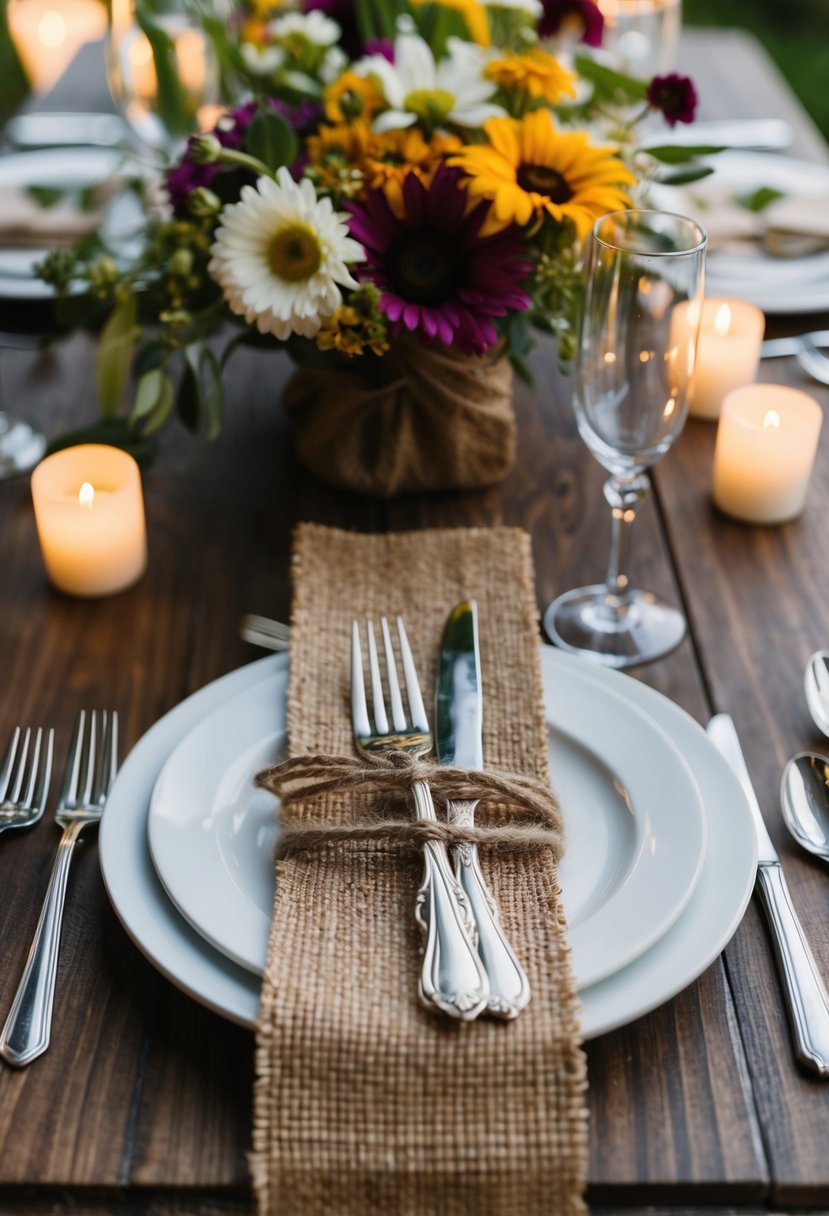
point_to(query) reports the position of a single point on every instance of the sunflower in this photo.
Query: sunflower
(531, 170)
(352, 96)
(395, 154)
(537, 74)
(336, 155)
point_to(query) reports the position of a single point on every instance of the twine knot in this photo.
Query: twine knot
(527, 811)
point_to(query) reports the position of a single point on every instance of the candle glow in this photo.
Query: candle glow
(728, 353)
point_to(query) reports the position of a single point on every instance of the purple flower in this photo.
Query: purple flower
(231, 132)
(675, 96)
(380, 46)
(584, 15)
(437, 274)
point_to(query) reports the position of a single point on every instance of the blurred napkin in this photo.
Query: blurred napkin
(791, 226)
(31, 216)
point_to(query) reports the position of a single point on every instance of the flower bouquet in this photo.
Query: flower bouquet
(401, 202)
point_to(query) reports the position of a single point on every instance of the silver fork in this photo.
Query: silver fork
(453, 978)
(90, 771)
(813, 361)
(24, 790)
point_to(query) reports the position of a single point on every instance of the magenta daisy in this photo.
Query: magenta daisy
(437, 275)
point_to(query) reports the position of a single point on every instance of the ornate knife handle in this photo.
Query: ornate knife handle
(452, 977)
(508, 984)
(803, 988)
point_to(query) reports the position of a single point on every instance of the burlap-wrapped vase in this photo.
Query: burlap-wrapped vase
(439, 421)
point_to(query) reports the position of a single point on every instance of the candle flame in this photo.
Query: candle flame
(722, 321)
(51, 29)
(771, 422)
(86, 494)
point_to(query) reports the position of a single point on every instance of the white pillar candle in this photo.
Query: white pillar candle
(89, 512)
(766, 444)
(728, 352)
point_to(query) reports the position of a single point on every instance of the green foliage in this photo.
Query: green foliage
(271, 140)
(113, 357)
(13, 83)
(172, 104)
(609, 86)
(671, 155)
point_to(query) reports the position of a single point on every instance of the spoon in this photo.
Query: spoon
(816, 687)
(804, 797)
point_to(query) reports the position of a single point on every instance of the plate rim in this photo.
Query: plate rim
(185, 959)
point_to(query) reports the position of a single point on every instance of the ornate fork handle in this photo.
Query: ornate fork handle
(453, 977)
(509, 987)
(27, 1030)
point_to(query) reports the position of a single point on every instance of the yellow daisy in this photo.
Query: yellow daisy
(352, 96)
(336, 156)
(538, 74)
(530, 169)
(473, 13)
(395, 154)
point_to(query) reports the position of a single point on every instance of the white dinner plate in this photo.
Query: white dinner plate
(634, 824)
(777, 285)
(66, 169)
(683, 953)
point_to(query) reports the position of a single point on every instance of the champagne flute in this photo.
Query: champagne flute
(634, 364)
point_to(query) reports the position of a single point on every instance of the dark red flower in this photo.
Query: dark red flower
(584, 16)
(437, 275)
(674, 96)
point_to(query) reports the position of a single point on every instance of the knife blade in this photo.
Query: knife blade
(803, 989)
(459, 720)
(781, 348)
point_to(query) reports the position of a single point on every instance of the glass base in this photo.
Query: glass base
(21, 447)
(592, 622)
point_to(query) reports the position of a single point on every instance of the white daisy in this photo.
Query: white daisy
(315, 27)
(333, 65)
(453, 90)
(280, 256)
(262, 60)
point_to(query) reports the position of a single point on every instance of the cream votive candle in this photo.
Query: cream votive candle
(728, 352)
(766, 443)
(89, 512)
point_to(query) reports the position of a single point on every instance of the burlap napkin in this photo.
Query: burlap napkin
(366, 1102)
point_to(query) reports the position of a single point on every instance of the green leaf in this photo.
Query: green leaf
(212, 394)
(671, 155)
(172, 101)
(154, 400)
(759, 199)
(689, 175)
(150, 355)
(187, 400)
(609, 84)
(201, 395)
(114, 355)
(271, 140)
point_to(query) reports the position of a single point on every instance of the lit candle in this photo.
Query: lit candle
(728, 353)
(89, 512)
(48, 34)
(766, 444)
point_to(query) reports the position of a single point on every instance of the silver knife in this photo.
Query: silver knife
(781, 348)
(805, 995)
(459, 742)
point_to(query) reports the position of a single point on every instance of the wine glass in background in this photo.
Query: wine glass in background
(634, 364)
(641, 37)
(163, 74)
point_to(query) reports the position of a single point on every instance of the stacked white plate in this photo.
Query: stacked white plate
(660, 860)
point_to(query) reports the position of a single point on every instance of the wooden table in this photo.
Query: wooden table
(142, 1104)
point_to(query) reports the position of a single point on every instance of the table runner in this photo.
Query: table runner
(364, 1100)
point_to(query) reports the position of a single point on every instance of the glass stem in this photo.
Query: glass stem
(624, 495)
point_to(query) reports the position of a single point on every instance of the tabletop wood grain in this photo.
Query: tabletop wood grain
(142, 1103)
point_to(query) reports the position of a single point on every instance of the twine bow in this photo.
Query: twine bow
(531, 817)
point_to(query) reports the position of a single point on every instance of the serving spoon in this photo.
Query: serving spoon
(804, 797)
(816, 688)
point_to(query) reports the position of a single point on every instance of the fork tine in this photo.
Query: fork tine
(398, 714)
(378, 700)
(69, 789)
(33, 769)
(98, 790)
(416, 707)
(359, 708)
(42, 792)
(8, 763)
(20, 769)
(108, 758)
(90, 753)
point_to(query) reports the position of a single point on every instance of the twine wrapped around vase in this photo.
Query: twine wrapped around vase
(440, 421)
